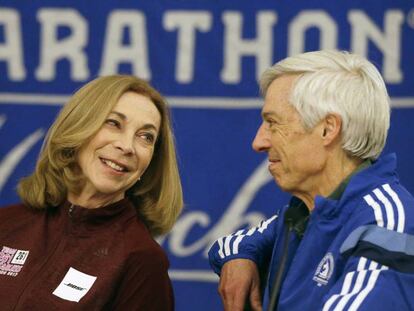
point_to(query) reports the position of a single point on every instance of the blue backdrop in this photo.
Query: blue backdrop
(205, 57)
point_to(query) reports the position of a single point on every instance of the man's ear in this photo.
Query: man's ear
(331, 128)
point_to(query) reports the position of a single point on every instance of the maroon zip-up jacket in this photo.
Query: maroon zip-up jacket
(73, 258)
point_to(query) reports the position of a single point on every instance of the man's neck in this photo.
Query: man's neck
(336, 171)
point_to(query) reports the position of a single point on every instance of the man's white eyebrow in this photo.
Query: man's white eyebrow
(268, 114)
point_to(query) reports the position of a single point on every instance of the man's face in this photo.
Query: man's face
(296, 156)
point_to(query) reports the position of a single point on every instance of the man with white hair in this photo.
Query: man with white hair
(346, 239)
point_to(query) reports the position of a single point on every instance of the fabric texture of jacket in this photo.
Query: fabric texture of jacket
(357, 252)
(73, 258)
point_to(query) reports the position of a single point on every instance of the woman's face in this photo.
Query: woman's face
(117, 156)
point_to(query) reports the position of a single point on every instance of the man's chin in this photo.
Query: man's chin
(281, 184)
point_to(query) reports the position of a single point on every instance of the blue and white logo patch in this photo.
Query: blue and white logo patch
(325, 269)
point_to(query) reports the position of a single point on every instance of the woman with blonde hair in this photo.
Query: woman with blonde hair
(106, 182)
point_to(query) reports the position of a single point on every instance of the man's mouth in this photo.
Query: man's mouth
(273, 163)
(273, 160)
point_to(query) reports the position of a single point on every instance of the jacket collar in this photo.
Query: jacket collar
(381, 171)
(76, 213)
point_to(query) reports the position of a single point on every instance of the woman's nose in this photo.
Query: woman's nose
(125, 143)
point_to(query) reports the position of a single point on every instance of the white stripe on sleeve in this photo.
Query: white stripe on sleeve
(357, 287)
(266, 223)
(377, 209)
(230, 246)
(220, 244)
(361, 264)
(346, 286)
(227, 241)
(388, 208)
(400, 208)
(364, 293)
(236, 244)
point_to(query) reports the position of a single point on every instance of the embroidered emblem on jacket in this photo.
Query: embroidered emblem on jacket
(12, 260)
(325, 269)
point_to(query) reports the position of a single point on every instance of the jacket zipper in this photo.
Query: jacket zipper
(70, 211)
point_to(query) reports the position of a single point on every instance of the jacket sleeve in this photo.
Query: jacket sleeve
(254, 244)
(145, 284)
(379, 272)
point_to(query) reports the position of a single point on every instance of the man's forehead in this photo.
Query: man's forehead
(281, 87)
(272, 106)
(277, 97)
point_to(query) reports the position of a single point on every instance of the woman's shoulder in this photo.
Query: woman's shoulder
(18, 212)
(151, 258)
(139, 241)
(17, 208)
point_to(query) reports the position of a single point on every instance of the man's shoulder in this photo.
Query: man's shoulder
(387, 205)
(376, 175)
(380, 224)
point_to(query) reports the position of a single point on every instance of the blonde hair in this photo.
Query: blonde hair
(157, 196)
(342, 83)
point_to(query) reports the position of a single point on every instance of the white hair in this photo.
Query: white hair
(342, 83)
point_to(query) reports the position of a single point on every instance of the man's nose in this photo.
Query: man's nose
(261, 142)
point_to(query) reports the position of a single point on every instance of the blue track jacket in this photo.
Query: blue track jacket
(357, 253)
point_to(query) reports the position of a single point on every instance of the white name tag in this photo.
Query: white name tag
(20, 257)
(74, 285)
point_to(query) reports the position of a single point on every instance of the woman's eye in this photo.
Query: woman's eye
(148, 137)
(113, 122)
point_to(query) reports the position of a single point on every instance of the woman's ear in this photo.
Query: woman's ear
(331, 130)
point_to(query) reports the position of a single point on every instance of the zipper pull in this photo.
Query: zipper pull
(71, 210)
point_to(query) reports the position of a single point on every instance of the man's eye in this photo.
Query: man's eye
(270, 123)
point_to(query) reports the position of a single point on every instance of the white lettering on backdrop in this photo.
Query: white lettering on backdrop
(233, 47)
